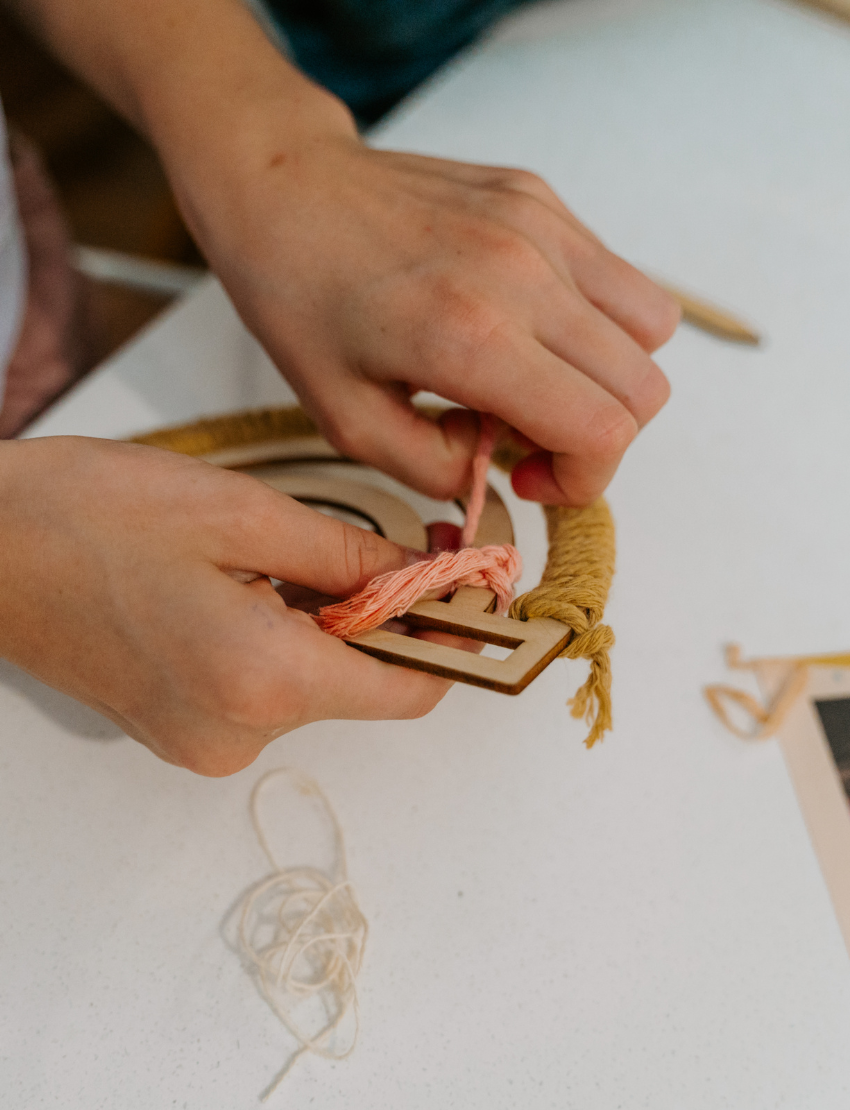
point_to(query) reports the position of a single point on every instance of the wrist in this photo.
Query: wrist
(276, 132)
(222, 106)
(239, 116)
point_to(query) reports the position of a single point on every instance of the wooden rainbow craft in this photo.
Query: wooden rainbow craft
(559, 618)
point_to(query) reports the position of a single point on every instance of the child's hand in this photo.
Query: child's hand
(369, 275)
(136, 581)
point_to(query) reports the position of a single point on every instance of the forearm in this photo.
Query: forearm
(190, 74)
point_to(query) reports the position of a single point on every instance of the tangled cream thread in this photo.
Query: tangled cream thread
(314, 942)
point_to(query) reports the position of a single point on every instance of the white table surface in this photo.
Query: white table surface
(644, 925)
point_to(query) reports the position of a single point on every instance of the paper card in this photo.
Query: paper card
(815, 740)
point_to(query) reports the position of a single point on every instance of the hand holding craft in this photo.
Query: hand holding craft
(135, 580)
(368, 274)
(379, 274)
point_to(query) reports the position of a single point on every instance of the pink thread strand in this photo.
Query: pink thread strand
(391, 595)
(480, 465)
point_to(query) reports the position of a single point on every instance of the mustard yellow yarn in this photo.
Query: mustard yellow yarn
(579, 569)
(574, 590)
(216, 433)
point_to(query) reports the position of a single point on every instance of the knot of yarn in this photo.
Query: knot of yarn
(590, 644)
(574, 590)
(303, 934)
(545, 601)
(391, 595)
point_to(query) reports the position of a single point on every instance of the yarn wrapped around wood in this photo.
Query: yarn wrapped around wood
(575, 583)
(574, 590)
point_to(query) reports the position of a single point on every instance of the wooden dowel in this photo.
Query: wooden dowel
(838, 8)
(708, 317)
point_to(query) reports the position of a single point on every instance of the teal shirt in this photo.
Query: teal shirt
(371, 53)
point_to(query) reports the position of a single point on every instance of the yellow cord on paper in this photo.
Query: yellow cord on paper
(303, 934)
(766, 719)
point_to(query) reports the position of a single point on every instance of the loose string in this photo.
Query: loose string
(487, 435)
(765, 720)
(494, 567)
(318, 936)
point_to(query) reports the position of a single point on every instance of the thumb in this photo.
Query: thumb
(279, 537)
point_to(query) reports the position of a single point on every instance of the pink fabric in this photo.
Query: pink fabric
(391, 595)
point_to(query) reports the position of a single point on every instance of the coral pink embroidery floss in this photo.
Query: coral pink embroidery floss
(478, 493)
(391, 595)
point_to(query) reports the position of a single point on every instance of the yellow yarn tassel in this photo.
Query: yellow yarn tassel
(574, 589)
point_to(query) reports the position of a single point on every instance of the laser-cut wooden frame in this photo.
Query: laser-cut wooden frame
(535, 643)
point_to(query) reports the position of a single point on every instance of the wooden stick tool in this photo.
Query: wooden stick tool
(709, 318)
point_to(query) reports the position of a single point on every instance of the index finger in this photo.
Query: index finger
(557, 407)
